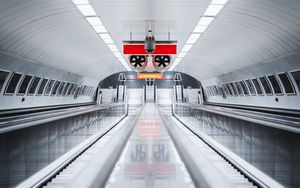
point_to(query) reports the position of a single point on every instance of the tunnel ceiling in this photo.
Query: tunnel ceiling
(54, 33)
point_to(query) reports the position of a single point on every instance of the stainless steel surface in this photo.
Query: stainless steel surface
(273, 151)
(74, 173)
(57, 167)
(283, 122)
(233, 175)
(23, 121)
(150, 158)
(26, 66)
(25, 151)
(278, 65)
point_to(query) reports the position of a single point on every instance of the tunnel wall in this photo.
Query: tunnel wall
(278, 79)
(60, 87)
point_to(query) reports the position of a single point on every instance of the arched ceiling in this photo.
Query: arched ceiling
(54, 33)
(245, 33)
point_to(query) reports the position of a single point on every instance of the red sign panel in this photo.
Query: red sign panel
(140, 49)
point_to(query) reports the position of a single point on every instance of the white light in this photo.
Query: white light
(94, 21)
(191, 41)
(86, 10)
(205, 20)
(106, 38)
(186, 47)
(118, 54)
(200, 28)
(178, 60)
(113, 47)
(108, 41)
(89, 13)
(100, 29)
(193, 38)
(219, 2)
(80, 2)
(181, 54)
(213, 10)
(122, 60)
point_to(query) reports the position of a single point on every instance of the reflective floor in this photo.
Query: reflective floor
(149, 158)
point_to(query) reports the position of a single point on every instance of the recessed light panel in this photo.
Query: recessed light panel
(203, 24)
(90, 15)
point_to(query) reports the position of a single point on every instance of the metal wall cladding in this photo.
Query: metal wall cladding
(25, 151)
(276, 152)
(275, 67)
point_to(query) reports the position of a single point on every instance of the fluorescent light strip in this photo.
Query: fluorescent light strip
(90, 15)
(208, 17)
(213, 10)
(86, 10)
(94, 20)
(99, 28)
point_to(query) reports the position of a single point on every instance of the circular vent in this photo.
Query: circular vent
(138, 61)
(161, 61)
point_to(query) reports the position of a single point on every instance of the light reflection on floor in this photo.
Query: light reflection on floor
(149, 158)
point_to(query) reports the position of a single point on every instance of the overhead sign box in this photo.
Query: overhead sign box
(139, 48)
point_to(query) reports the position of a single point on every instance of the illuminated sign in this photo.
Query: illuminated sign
(129, 48)
(150, 76)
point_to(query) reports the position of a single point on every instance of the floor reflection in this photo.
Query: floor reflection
(149, 159)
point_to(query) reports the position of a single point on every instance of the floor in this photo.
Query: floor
(150, 158)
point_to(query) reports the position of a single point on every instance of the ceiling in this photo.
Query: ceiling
(54, 33)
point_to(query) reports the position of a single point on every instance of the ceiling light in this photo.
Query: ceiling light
(113, 47)
(122, 60)
(104, 35)
(213, 10)
(200, 28)
(94, 20)
(86, 10)
(205, 20)
(193, 38)
(106, 38)
(191, 41)
(186, 47)
(80, 2)
(89, 13)
(181, 54)
(99, 29)
(209, 15)
(171, 68)
(219, 2)
(118, 54)
(108, 41)
(177, 61)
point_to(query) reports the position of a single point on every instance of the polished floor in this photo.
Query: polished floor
(150, 158)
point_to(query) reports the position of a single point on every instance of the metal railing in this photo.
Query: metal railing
(50, 136)
(230, 133)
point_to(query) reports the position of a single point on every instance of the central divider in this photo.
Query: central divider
(200, 167)
(150, 158)
(98, 169)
